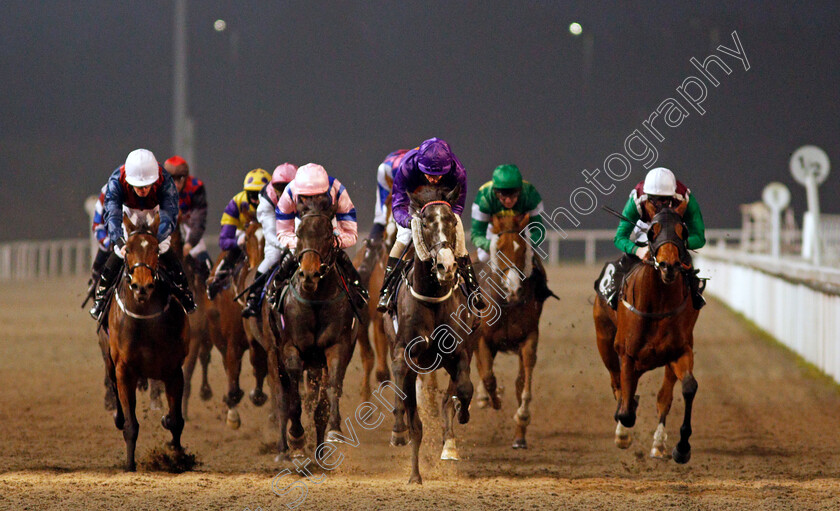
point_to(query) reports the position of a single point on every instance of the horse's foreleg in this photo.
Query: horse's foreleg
(189, 368)
(683, 368)
(626, 413)
(337, 360)
(294, 369)
(381, 345)
(174, 420)
(450, 446)
(127, 390)
(205, 350)
(522, 417)
(484, 363)
(401, 371)
(321, 415)
(367, 355)
(415, 426)
(233, 368)
(259, 362)
(663, 406)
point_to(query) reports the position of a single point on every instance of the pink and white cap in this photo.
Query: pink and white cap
(312, 179)
(284, 173)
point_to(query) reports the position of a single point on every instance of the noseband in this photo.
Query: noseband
(434, 249)
(325, 265)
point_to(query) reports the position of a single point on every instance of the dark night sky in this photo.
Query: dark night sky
(344, 83)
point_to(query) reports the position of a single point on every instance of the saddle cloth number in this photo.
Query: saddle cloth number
(606, 285)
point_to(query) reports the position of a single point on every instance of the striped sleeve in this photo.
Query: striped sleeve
(345, 216)
(285, 213)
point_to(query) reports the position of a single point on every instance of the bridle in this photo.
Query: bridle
(327, 261)
(128, 273)
(437, 247)
(667, 235)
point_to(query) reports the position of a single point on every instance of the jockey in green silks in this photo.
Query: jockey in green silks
(509, 194)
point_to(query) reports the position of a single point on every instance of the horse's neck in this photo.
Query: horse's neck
(646, 287)
(423, 280)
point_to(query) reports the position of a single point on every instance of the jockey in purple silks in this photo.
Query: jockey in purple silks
(431, 164)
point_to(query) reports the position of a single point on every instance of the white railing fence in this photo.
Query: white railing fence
(792, 300)
(21, 260)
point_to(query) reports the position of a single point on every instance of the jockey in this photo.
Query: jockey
(269, 197)
(312, 179)
(384, 182)
(192, 203)
(100, 231)
(240, 211)
(661, 189)
(507, 194)
(430, 164)
(141, 186)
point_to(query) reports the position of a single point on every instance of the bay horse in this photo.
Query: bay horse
(652, 327)
(315, 328)
(376, 256)
(231, 337)
(507, 281)
(432, 328)
(148, 336)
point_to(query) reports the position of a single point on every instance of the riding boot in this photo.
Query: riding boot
(470, 281)
(358, 294)
(285, 270)
(110, 272)
(395, 265)
(697, 289)
(252, 305)
(203, 265)
(542, 291)
(178, 279)
(622, 267)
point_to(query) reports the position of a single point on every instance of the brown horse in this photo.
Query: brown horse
(652, 327)
(508, 282)
(375, 254)
(315, 328)
(231, 337)
(434, 328)
(148, 336)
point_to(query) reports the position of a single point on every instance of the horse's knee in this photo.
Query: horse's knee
(689, 386)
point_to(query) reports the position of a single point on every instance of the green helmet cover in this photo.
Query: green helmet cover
(507, 176)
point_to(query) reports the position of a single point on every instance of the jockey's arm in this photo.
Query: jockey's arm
(284, 214)
(198, 216)
(622, 235)
(168, 201)
(694, 221)
(478, 228)
(266, 218)
(231, 222)
(113, 207)
(345, 216)
(400, 199)
(458, 207)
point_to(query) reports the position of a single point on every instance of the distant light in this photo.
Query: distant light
(219, 25)
(575, 29)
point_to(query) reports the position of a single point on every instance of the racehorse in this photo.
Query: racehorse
(232, 338)
(314, 326)
(148, 336)
(432, 328)
(652, 327)
(507, 281)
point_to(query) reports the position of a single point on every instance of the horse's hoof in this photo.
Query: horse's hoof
(522, 419)
(415, 479)
(399, 438)
(131, 467)
(463, 413)
(497, 403)
(623, 438)
(520, 443)
(166, 422)
(482, 402)
(296, 443)
(334, 436)
(119, 422)
(258, 397)
(681, 457)
(233, 398)
(658, 452)
(206, 393)
(450, 450)
(233, 421)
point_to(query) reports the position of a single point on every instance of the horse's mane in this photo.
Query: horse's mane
(426, 193)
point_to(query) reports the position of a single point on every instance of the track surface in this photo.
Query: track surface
(765, 428)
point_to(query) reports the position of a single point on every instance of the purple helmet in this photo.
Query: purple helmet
(434, 157)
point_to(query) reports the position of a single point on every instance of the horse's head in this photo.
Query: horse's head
(141, 257)
(254, 244)
(316, 241)
(510, 252)
(666, 237)
(436, 229)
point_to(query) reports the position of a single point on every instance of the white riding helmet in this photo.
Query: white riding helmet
(660, 181)
(141, 168)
